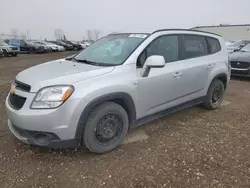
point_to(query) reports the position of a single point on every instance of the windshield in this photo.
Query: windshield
(60, 42)
(38, 42)
(2, 43)
(112, 49)
(30, 43)
(246, 48)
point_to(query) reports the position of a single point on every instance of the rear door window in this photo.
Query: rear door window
(194, 46)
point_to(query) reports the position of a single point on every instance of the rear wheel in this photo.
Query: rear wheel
(14, 54)
(106, 127)
(215, 95)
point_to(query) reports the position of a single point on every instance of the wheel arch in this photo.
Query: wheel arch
(223, 78)
(121, 98)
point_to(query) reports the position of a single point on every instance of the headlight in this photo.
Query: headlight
(51, 97)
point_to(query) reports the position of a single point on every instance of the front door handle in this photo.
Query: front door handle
(178, 74)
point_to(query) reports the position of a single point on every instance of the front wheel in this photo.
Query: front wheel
(106, 128)
(214, 95)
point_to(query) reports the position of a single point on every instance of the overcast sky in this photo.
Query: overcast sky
(74, 17)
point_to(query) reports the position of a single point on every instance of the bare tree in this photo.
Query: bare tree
(94, 34)
(23, 36)
(59, 34)
(89, 34)
(14, 33)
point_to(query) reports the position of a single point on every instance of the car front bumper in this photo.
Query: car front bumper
(53, 128)
(240, 72)
(12, 51)
(41, 138)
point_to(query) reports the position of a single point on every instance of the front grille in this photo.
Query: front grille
(240, 65)
(16, 101)
(22, 86)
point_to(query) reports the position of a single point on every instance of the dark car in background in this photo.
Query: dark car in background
(240, 62)
(65, 45)
(235, 45)
(30, 47)
(76, 45)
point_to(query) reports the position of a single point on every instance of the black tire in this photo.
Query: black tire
(106, 114)
(14, 54)
(210, 102)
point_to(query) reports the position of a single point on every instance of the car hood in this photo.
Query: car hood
(6, 46)
(240, 56)
(59, 72)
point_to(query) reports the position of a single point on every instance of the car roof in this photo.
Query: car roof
(162, 30)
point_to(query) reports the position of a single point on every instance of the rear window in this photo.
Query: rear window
(194, 46)
(214, 45)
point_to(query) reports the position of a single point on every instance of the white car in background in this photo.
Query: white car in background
(60, 48)
(54, 47)
(85, 44)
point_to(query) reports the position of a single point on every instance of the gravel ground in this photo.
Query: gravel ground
(191, 148)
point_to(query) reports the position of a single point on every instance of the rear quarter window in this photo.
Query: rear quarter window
(194, 46)
(213, 45)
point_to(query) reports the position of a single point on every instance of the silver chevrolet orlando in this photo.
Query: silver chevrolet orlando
(123, 80)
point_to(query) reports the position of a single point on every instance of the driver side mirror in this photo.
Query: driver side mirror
(154, 61)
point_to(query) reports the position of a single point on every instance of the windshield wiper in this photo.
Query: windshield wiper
(89, 62)
(93, 63)
(86, 61)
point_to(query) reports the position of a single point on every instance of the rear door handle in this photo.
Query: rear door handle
(178, 74)
(210, 66)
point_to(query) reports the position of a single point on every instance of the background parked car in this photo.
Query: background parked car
(8, 49)
(76, 45)
(240, 62)
(30, 47)
(61, 43)
(60, 48)
(235, 45)
(53, 47)
(85, 44)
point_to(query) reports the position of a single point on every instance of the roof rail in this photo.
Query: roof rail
(185, 30)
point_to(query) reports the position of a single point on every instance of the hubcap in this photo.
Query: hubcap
(109, 128)
(217, 94)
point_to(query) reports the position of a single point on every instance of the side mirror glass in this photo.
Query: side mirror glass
(154, 61)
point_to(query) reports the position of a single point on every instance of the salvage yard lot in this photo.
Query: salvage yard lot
(191, 148)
